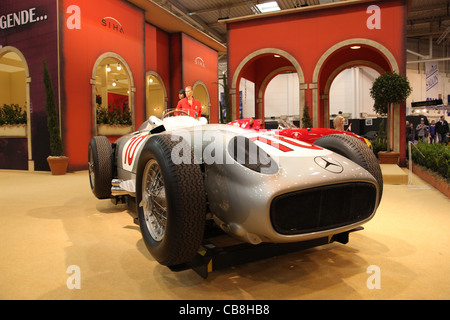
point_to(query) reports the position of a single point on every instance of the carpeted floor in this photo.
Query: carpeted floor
(49, 224)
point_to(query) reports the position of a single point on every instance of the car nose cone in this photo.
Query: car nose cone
(329, 164)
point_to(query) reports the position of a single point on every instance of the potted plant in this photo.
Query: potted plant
(306, 119)
(388, 90)
(114, 120)
(13, 121)
(56, 160)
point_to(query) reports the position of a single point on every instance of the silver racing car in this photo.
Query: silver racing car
(257, 186)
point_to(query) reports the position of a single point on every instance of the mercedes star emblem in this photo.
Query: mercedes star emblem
(329, 164)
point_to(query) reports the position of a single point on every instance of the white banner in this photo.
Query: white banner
(432, 80)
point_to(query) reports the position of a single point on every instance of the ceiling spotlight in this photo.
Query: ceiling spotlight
(108, 68)
(355, 47)
(119, 67)
(276, 55)
(114, 83)
(268, 7)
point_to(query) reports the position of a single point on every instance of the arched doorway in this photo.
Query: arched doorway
(156, 95)
(15, 120)
(282, 95)
(260, 67)
(112, 96)
(346, 54)
(200, 92)
(349, 92)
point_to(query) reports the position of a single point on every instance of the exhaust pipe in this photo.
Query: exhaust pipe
(121, 187)
(116, 190)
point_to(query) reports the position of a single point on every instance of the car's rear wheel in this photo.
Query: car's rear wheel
(100, 166)
(357, 151)
(171, 202)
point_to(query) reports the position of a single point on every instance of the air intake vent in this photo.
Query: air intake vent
(322, 208)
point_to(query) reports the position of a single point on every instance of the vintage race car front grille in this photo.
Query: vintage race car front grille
(322, 208)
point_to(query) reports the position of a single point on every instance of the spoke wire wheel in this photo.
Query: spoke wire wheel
(171, 201)
(154, 200)
(91, 168)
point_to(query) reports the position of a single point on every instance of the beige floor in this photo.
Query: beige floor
(48, 223)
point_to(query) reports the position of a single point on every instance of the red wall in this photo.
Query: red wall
(200, 63)
(308, 34)
(173, 58)
(157, 48)
(89, 30)
(35, 41)
(176, 68)
(80, 50)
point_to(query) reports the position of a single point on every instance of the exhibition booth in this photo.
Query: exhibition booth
(317, 43)
(110, 68)
(264, 215)
(115, 63)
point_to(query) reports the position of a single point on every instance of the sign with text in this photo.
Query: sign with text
(20, 18)
(432, 80)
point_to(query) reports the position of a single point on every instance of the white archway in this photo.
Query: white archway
(346, 43)
(200, 92)
(156, 94)
(111, 56)
(247, 59)
(4, 51)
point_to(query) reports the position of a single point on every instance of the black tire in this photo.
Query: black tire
(355, 150)
(171, 202)
(100, 161)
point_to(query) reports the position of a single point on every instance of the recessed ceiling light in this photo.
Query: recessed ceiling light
(355, 47)
(268, 7)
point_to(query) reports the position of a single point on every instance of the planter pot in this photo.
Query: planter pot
(13, 130)
(385, 157)
(437, 183)
(58, 165)
(113, 129)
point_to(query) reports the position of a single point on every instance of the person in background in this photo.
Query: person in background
(432, 131)
(339, 121)
(410, 132)
(181, 94)
(256, 125)
(442, 130)
(189, 104)
(422, 130)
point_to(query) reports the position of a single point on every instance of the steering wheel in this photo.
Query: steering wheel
(171, 113)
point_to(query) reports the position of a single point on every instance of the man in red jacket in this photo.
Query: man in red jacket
(189, 104)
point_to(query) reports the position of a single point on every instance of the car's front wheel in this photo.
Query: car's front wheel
(171, 202)
(100, 166)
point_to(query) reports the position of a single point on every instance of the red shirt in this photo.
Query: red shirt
(184, 104)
